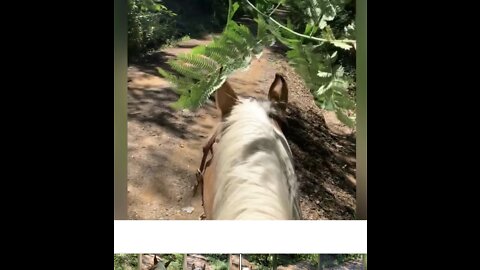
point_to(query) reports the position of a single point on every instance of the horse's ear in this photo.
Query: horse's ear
(155, 260)
(193, 266)
(204, 265)
(279, 91)
(225, 98)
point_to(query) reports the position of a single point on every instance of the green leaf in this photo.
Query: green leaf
(182, 102)
(339, 71)
(221, 54)
(333, 57)
(199, 49)
(261, 27)
(206, 68)
(323, 89)
(169, 77)
(327, 33)
(345, 119)
(308, 29)
(345, 102)
(322, 24)
(339, 85)
(323, 74)
(235, 6)
(341, 44)
(326, 102)
(288, 34)
(328, 11)
(349, 30)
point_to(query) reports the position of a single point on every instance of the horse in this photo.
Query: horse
(158, 264)
(250, 174)
(196, 267)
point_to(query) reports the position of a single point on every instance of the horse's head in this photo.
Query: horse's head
(158, 265)
(226, 98)
(195, 267)
(245, 116)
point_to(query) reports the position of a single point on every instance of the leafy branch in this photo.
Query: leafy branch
(202, 71)
(313, 54)
(344, 43)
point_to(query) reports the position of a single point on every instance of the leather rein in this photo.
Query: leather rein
(208, 147)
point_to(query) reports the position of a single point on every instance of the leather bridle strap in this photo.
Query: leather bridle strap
(208, 147)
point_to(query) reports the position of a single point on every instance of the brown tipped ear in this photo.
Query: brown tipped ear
(279, 91)
(225, 98)
(155, 261)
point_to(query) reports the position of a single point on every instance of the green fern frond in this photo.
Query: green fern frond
(221, 54)
(235, 39)
(206, 68)
(170, 77)
(199, 63)
(199, 92)
(185, 69)
(199, 49)
(262, 35)
(244, 32)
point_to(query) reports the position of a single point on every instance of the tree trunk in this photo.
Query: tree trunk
(319, 262)
(185, 261)
(274, 262)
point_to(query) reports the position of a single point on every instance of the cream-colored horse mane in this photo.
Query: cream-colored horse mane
(255, 176)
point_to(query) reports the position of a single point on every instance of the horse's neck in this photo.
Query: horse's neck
(254, 192)
(256, 177)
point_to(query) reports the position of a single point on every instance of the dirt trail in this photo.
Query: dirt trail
(164, 145)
